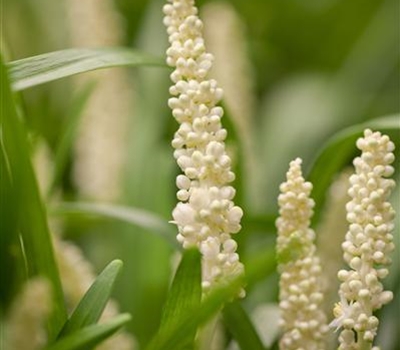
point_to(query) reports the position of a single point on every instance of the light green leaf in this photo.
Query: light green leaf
(87, 338)
(92, 304)
(31, 216)
(134, 216)
(240, 326)
(339, 150)
(185, 293)
(51, 66)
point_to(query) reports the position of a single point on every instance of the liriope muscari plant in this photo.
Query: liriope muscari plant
(302, 320)
(76, 272)
(367, 245)
(205, 215)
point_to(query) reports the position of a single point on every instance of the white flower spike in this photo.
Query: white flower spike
(302, 319)
(206, 215)
(367, 245)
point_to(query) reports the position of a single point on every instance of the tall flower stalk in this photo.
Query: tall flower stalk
(368, 242)
(300, 300)
(102, 135)
(206, 215)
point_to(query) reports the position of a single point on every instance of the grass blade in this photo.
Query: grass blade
(9, 243)
(36, 70)
(31, 216)
(88, 337)
(91, 306)
(174, 337)
(68, 135)
(185, 293)
(134, 216)
(241, 327)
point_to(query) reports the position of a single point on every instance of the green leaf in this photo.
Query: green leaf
(9, 239)
(68, 135)
(88, 337)
(134, 216)
(175, 337)
(339, 150)
(51, 66)
(185, 293)
(240, 326)
(94, 301)
(260, 265)
(31, 217)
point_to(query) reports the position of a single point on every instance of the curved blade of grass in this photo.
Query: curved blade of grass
(133, 216)
(10, 269)
(36, 70)
(31, 216)
(68, 135)
(94, 301)
(339, 150)
(185, 293)
(88, 337)
(240, 326)
(175, 337)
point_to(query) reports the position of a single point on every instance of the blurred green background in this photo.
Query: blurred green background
(304, 70)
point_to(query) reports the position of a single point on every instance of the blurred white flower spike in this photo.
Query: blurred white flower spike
(206, 215)
(302, 320)
(368, 243)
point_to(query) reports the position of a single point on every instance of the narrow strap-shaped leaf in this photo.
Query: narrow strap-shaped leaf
(36, 70)
(185, 293)
(68, 134)
(10, 269)
(94, 301)
(175, 337)
(241, 327)
(339, 150)
(31, 216)
(135, 216)
(87, 338)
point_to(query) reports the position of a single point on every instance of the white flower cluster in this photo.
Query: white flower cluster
(206, 215)
(302, 318)
(368, 242)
